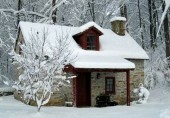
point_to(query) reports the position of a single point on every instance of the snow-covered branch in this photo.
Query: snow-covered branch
(22, 12)
(43, 65)
(167, 2)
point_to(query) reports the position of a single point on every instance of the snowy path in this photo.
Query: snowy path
(10, 108)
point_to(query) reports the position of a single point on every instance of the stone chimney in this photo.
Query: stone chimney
(118, 25)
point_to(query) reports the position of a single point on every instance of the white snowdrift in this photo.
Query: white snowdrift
(165, 114)
(11, 108)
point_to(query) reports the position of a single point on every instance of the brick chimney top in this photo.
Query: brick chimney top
(118, 25)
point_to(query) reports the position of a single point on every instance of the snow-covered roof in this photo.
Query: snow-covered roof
(87, 26)
(114, 49)
(122, 46)
(117, 18)
(102, 60)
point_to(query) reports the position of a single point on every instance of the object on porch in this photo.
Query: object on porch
(68, 104)
(104, 100)
(142, 93)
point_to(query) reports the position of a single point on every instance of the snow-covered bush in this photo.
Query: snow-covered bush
(142, 93)
(42, 64)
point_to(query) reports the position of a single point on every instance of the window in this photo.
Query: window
(91, 42)
(110, 85)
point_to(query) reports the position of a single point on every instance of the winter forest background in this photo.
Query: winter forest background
(143, 21)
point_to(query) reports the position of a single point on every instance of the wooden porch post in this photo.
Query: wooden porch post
(74, 91)
(128, 87)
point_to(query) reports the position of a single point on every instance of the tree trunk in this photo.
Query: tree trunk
(166, 32)
(54, 14)
(152, 19)
(19, 8)
(154, 22)
(39, 108)
(93, 12)
(140, 24)
(7, 65)
(123, 13)
(92, 9)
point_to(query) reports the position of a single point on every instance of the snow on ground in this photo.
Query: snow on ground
(11, 108)
(165, 114)
(158, 106)
(160, 95)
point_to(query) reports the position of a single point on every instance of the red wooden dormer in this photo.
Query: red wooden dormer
(89, 38)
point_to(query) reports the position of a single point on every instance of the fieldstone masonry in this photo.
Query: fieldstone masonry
(58, 98)
(98, 85)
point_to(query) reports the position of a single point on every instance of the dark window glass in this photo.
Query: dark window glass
(91, 42)
(110, 85)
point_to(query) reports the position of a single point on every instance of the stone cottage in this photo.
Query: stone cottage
(108, 61)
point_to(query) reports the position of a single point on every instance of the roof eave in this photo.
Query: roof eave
(103, 69)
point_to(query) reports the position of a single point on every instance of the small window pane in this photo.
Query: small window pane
(91, 42)
(109, 85)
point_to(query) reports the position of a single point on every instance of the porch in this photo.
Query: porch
(90, 83)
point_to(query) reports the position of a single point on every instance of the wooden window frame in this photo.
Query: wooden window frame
(113, 91)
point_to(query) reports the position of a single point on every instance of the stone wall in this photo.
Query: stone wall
(118, 27)
(58, 98)
(98, 85)
(137, 76)
(55, 100)
(18, 71)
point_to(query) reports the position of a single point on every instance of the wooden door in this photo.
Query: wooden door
(83, 90)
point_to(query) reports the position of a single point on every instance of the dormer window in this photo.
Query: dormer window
(91, 42)
(88, 36)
